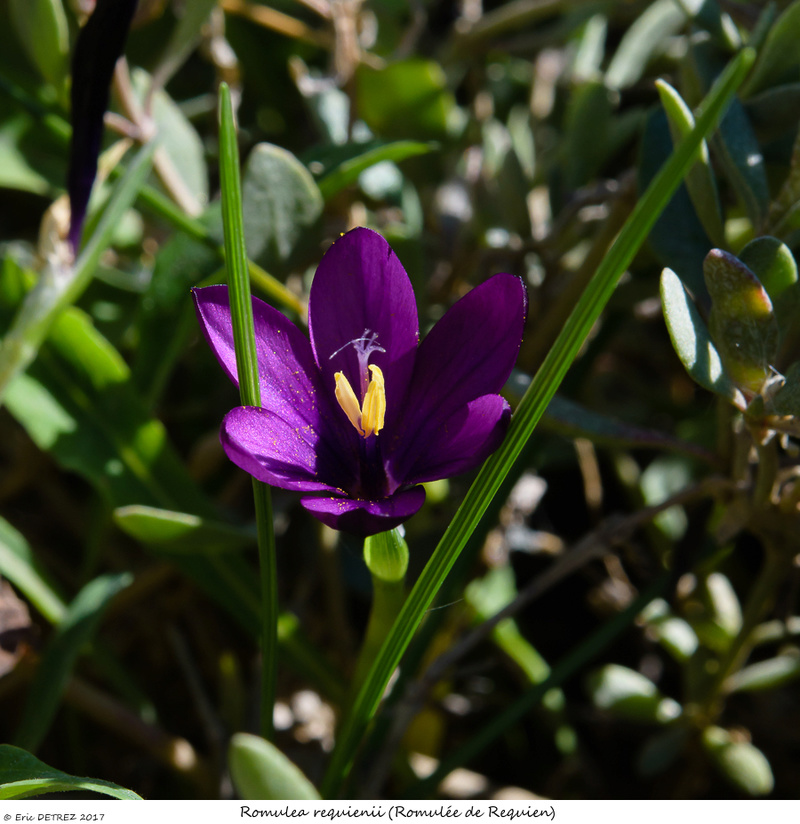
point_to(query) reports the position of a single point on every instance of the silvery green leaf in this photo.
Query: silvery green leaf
(691, 340)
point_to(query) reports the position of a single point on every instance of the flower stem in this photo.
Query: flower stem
(250, 391)
(386, 556)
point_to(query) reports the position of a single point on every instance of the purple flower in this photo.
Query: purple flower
(362, 414)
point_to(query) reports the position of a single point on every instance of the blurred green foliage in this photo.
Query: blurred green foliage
(477, 138)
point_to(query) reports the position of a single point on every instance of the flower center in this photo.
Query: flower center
(367, 416)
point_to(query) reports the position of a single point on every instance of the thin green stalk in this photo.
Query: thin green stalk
(249, 389)
(386, 557)
(527, 415)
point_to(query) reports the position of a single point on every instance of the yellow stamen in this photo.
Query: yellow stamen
(374, 403)
(348, 401)
(370, 421)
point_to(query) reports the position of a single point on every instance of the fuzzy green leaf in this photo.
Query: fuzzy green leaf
(765, 675)
(44, 34)
(778, 59)
(691, 340)
(700, 181)
(628, 694)
(742, 764)
(180, 532)
(282, 206)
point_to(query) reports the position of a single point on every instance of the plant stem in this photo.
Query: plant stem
(387, 601)
(250, 390)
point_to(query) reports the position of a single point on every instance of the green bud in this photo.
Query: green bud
(386, 555)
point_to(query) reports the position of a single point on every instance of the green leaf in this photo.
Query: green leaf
(665, 476)
(720, 616)
(405, 99)
(23, 775)
(742, 322)
(337, 167)
(165, 318)
(673, 633)
(740, 153)
(590, 49)
(644, 38)
(700, 181)
(18, 565)
(772, 262)
(628, 694)
(765, 675)
(78, 626)
(260, 771)
(78, 403)
(180, 142)
(678, 238)
(778, 59)
(43, 31)
(586, 141)
(23, 156)
(691, 340)
(742, 764)
(527, 415)
(180, 532)
(282, 207)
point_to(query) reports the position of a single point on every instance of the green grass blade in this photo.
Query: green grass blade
(249, 387)
(23, 775)
(79, 625)
(527, 415)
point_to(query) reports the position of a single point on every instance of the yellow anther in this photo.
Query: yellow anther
(370, 421)
(348, 401)
(374, 403)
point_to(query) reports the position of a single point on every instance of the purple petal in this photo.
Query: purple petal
(463, 442)
(366, 517)
(469, 353)
(361, 285)
(99, 45)
(274, 450)
(289, 379)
